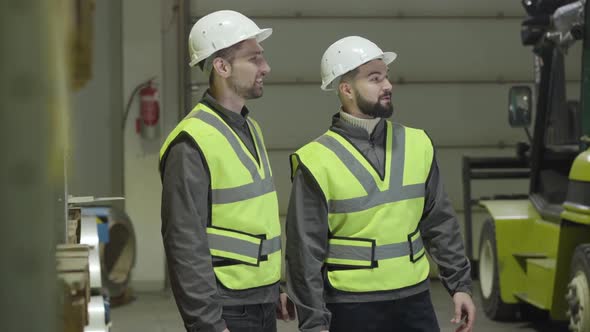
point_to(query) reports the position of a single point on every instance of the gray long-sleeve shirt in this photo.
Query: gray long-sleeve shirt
(307, 237)
(186, 188)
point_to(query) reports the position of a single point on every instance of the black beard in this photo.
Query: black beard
(376, 110)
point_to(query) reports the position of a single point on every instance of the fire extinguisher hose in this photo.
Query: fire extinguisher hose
(130, 100)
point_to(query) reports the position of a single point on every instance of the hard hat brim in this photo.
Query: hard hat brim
(389, 57)
(263, 34)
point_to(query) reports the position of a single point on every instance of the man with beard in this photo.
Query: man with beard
(220, 220)
(367, 202)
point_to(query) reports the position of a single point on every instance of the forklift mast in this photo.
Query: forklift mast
(534, 251)
(558, 123)
(561, 128)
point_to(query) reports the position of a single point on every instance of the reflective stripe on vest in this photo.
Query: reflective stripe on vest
(396, 192)
(244, 230)
(373, 218)
(240, 246)
(258, 186)
(364, 253)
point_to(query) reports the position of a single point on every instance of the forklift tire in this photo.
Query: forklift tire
(489, 279)
(578, 290)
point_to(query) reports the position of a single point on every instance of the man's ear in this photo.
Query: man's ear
(222, 67)
(345, 89)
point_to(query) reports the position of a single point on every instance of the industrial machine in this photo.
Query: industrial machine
(534, 249)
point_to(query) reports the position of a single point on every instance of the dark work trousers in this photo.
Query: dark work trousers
(411, 314)
(251, 317)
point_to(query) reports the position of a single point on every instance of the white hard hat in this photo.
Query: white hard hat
(347, 54)
(220, 30)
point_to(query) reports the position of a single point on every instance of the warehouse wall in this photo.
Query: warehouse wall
(127, 50)
(457, 60)
(150, 49)
(95, 159)
(142, 59)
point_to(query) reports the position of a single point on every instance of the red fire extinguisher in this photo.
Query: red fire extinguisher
(146, 123)
(149, 112)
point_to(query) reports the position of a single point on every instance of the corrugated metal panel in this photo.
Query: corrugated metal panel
(452, 114)
(428, 50)
(361, 8)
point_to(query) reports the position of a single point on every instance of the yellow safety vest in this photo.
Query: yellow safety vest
(374, 242)
(244, 232)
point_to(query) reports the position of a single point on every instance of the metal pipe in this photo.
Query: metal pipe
(116, 90)
(585, 87)
(496, 162)
(486, 168)
(466, 169)
(185, 70)
(494, 175)
(182, 72)
(542, 108)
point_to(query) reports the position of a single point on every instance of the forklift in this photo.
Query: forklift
(534, 249)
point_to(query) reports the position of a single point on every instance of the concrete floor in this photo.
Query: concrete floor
(156, 312)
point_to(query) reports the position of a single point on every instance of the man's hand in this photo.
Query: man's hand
(464, 312)
(285, 308)
(226, 330)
